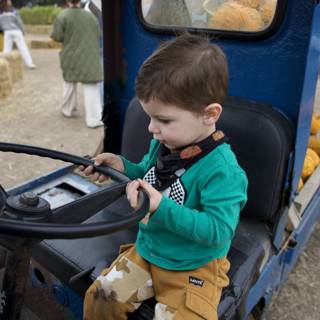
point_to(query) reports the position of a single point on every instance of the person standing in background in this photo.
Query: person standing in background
(78, 31)
(12, 27)
(95, 8)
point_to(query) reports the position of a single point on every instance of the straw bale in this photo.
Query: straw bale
(45, 44)
(38, 29)
(267, 9)
(15, 63)
(233, 16)
(5, 81)
(249, 3)
(1, 41)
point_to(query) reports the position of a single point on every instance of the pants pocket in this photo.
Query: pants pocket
(201, 306)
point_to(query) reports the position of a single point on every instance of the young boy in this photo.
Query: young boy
(196, 187)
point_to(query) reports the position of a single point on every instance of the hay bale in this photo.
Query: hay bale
(267, 9)
(15, 64)
(5, 79)
(38, 29)
(249, 3)
(45, 44)
(1, 41)
(233, 16)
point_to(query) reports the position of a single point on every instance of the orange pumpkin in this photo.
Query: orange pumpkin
(249, 3)
(233, 16)
(314, 156)
(267, 9)
(308, 167)
(315, 123)
(314, 144)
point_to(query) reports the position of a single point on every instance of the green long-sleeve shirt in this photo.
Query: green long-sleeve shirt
(78, 31)
(189, 235)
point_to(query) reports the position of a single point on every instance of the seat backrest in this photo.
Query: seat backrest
(260, 136)
(135, 135)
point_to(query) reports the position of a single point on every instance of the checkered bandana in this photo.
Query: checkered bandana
(168, 163)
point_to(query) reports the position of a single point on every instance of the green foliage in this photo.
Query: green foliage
(21, 3)
(39, 14)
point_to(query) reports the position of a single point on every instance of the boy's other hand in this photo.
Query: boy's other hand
(107, 159)
(132, 194)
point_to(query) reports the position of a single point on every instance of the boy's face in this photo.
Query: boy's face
(176, 127)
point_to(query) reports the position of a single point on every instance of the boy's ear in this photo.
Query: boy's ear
(212, 113)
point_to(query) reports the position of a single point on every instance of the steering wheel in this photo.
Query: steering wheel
(29, 216)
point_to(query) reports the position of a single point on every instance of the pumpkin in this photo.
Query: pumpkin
(300, 184)
(249, 3)
(308, 167)
(315, 123)
(314, 144)
(314, 156)
(233, 16)
(267, 9)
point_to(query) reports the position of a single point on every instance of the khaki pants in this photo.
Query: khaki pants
(181, 295)
(92, 102)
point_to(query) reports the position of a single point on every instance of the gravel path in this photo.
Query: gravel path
(32, 116)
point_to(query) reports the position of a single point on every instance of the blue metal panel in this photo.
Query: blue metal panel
(29, 185)
(267, 282)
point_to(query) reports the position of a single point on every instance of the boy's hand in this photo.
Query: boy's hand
(108, 159)
(132, 194)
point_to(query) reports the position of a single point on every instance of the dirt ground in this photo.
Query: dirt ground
(31, 115)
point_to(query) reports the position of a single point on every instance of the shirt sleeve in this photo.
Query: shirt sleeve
(58, 30)
(138, 170)
(222, 196)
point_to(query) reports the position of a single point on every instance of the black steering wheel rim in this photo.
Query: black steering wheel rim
(69, 231)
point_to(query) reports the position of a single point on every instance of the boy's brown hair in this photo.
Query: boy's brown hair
(188, 72)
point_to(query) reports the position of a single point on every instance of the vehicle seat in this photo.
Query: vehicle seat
(262, 139)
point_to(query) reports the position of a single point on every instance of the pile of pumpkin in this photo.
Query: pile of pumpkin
(312, 158)
(239, 15)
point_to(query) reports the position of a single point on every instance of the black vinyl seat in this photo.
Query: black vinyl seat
(262, 139)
